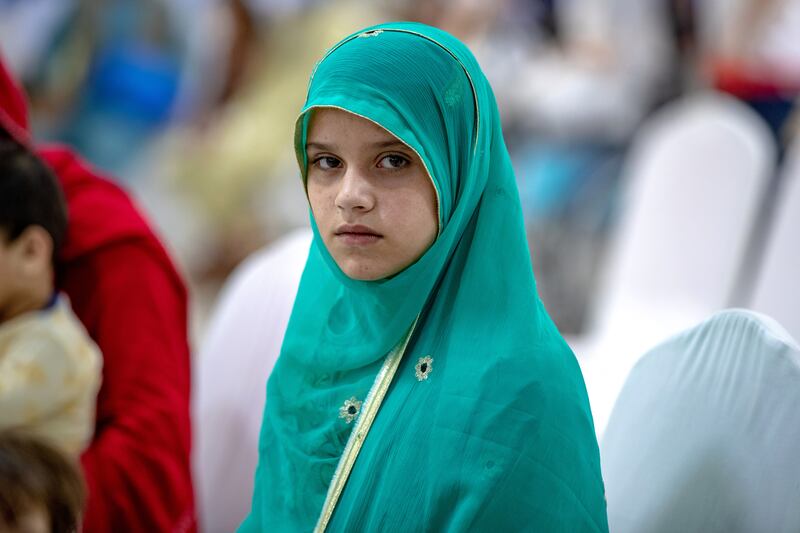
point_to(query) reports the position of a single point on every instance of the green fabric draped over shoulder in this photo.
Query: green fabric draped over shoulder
(499, 436)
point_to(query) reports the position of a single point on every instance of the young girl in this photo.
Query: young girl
(421, 385)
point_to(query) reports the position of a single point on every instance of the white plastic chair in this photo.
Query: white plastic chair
(694, 182)
(705, 433)
(777, 289)
(243, 342)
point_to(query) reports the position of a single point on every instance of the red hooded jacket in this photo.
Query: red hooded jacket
(127, 293)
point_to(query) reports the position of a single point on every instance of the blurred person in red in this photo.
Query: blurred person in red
(126, 291)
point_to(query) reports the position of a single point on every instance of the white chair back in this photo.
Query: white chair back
(231, 370)
(705, 433)
(694, 183)
(777, 289)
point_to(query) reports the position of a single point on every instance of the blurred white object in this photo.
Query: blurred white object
(704, 435)
(694, 182)
(243, 342)
(27, 29)
(760, 33)
(777, 289)
(612, 61)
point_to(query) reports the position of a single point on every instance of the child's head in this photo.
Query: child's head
(40, 489)
(33, 223)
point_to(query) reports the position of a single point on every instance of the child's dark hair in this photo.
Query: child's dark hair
(36, 477)
(29, 194)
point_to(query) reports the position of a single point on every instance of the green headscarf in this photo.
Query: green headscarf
(495, 431)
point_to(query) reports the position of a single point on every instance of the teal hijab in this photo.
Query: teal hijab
(493, 430)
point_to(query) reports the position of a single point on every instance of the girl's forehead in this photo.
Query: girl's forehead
(338, 127)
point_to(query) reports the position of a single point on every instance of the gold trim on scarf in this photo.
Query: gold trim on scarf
(363, 424)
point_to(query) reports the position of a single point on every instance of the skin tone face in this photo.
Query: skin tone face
(26, 272)
(372, 199)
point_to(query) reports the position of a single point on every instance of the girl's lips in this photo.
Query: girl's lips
(358, 239)
(357, 235)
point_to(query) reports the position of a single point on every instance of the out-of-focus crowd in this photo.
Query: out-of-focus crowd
(192, 103)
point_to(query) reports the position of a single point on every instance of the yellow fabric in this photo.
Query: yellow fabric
(50, 372)
(248, 147)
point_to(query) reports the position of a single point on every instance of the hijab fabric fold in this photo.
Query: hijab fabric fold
(496, 431)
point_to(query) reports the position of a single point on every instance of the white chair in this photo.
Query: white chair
(704, 435)
(243, 342)
(693, 185)
(777, 288)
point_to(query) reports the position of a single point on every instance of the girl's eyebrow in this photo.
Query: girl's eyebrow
(387, 144)
(319, 146)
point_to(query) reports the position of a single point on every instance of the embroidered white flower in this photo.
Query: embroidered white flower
(424, 367)
(349, 411)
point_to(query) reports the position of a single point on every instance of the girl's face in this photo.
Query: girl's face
(372, 199)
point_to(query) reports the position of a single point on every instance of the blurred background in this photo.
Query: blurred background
(655, 144)
(191, 105)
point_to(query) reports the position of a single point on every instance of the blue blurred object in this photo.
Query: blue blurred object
(554, 179)
(569, 194)
(136, 81)
(548, 176)
(132, 82)
(776, 112)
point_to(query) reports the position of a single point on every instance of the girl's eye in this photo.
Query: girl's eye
(327, 162)
(393, 161)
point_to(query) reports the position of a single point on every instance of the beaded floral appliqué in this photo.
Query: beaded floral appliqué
(349, 411)
(424, 367)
